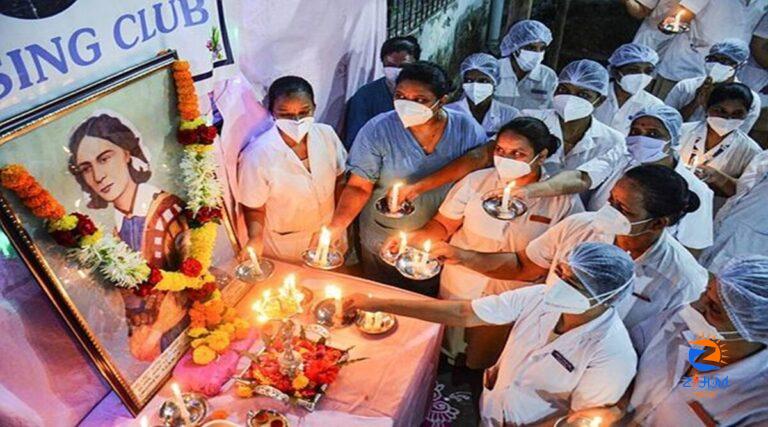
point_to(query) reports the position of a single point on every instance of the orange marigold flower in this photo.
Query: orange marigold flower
(36, 201)
(219, 414)
(180, 65)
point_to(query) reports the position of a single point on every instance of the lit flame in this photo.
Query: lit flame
(403, 242)
(595, 422)
(144, 421)
(333, 292)
(252, 255)
(427, 246)
(325, 237)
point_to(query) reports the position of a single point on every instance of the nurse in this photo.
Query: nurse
(375, 97)
(652, 13)
(525, 82)
(567, 348)
(480, 74)
(725, 59)
(653, 139)
(631, 67)
(732, 315)
(522, 146)
(643, 203)
(755, 75)
(404, 145)
(717, 147)
(288, 175)
(741, 226)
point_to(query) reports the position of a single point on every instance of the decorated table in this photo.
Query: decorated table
(391, 387)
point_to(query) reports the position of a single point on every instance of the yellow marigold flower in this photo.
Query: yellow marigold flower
(197, 342)
(65, 223)
(203, 355)
(197, 332)
(218, 340)
(92, 239)
(241, 323)
(243, 390)
(227, 328)
(200, 148)
(300, 382)
(191, 124)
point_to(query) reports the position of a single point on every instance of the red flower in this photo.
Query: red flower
(144, 290)
(155, 276)
(191, 267)
(203, 216)
(85, 227)
(203, 293)
(187, 137)
(206, 134)
(65, 238)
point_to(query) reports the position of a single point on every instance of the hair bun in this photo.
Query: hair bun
(693, 203)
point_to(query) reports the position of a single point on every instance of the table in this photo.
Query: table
(392, 388)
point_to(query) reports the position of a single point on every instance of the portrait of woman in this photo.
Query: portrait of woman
(109, 162)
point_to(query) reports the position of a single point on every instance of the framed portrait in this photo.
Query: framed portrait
(110, 151)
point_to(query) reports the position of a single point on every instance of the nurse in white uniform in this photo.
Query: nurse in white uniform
(732, 313)
(654, 139)
(741, 226)
(652, 12)
(631, 67)
(724, 60)
(522, 146)
(480, 74)
(647, 200)
(567, 349)
(717, 149)
(524, 81)
(289, 174)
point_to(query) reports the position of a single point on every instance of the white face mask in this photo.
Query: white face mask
(613, 223)
(511, 169)
(527, 60)
(478, 92)
(571, 107)
(719, 72)
(412, 113)
(724, 126)
(391, 73)
(295, 129)
(700, 328)
(561, 297)
(645, 149)
(634, 83)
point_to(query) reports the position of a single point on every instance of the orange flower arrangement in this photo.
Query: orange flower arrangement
(32, 194)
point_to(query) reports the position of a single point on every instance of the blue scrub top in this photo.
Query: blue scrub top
(386, 152)
(368, 102)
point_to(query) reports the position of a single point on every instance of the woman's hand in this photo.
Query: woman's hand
(358, 301)
(451, 254)
(337, 238)
(722, 183)
(407, 192)
(257, 243)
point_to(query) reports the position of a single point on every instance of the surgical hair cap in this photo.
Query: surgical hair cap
(744, 292)
(524, 33)
(602, 268)
(486, 64)
(586, 74)
(669, 117)
(736, 49)
(631, 53)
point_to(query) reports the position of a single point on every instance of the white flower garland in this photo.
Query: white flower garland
(115, 260)
(198, 173)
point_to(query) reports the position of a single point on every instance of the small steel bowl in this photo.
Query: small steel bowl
(388, 257)
(382, 205)
(197, 407)
(325, 314)
(669, 28)
(492, 206)
(246, 272)
(335, 259)
(264, 418)
(409, 267)
(388, 325)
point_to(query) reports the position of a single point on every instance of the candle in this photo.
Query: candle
(254, 261)
(144, 422)
(321, 253)
(394, 195)
(403, 243)
(180, 403)
(425, 255)
(595, 422)
(334, 292)
(505, 198)
(678, 17)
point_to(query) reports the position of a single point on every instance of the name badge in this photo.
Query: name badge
(541, 219)
(539, 91)
(562, 360)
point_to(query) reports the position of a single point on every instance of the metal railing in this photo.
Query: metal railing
(406, 16)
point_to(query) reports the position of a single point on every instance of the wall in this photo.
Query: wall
(455, 32)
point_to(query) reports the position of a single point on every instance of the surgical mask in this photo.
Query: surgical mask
(634, 83)
(700, 328)
(719, 72)
(478, 92)
(412, 113)
(527, 60)
(571, 107)
(612, 222)
(561, 297)
(724, 126)
(510, 169)
(391, 73)
(295, 129)
(645, 149)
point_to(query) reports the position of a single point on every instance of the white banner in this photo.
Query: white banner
(51, 47)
